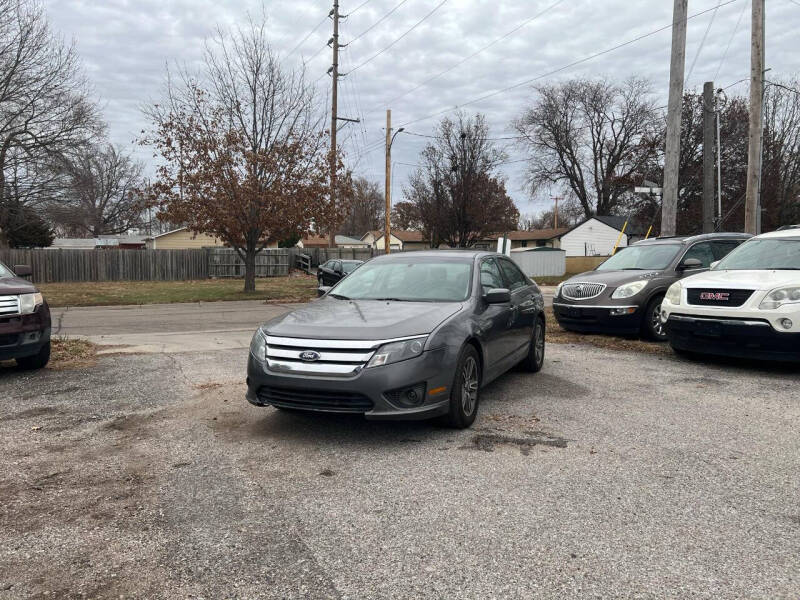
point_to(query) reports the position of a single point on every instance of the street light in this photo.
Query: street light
(387, 228)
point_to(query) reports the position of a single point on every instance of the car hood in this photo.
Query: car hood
(330, 318)
(15, 285)
(614, 279)
(746, 280)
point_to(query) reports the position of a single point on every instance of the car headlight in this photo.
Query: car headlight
(673, 295)
(558, 289)
(779, 297)
(258, 346)
(396, 351)
(630, 289)
(29, 302)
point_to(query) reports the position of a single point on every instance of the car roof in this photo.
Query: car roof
(690, 239)
(787, 232)
(463, 254)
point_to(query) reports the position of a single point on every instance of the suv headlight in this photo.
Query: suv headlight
(396, 351)
(558, 289)
(29, 303)
(673, 295)
(258, 346)
(779, 297)
(630, 289)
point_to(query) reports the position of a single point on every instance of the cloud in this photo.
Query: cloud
(126, 45)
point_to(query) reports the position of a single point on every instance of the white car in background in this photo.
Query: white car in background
(747, 305)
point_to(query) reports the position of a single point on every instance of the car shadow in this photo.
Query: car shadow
(743, 365)
(347, 431)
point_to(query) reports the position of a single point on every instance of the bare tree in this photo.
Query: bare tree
(44, 98)
(455, 195)
(365, 210)
(103, 193)
(593, 137)
(242, 148)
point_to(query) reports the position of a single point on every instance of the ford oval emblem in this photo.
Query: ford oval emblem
(309, 355)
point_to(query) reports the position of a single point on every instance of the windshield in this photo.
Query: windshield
(349, 267)
(646, 258)
(407, 281)
(5, 271)
(767, 254)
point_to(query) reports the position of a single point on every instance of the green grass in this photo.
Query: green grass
(295, 288)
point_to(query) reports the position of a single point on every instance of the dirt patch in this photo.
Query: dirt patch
(556, 335)
(71, 354)
(488, 441)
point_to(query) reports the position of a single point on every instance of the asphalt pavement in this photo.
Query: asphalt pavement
(607, 475)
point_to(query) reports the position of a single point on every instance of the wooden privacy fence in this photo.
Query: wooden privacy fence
(52, 266)
(226, 262)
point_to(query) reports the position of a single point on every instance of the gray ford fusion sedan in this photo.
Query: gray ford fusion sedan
(406, 336)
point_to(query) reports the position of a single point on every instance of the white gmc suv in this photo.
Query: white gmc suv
(747, 305)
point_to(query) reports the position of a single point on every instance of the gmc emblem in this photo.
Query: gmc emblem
(719, 296)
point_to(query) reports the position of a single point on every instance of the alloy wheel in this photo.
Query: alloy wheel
(538, 345)
(656, 324)
(469, 385)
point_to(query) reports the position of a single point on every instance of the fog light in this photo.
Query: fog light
(786, 323)
(623, 310)
(409, 396)
(664, 316)
(31, 337)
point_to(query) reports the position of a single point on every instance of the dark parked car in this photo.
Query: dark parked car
(24, 319)
(405, 336)
(334, 270)
(623, 295)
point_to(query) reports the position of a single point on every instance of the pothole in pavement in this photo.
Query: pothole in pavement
(489, 440)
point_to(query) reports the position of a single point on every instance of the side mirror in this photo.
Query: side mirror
(23, 271)
(714, 264)
(690, 263)
(497, 296)
(322, 290)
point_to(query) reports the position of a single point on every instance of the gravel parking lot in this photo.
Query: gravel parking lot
(606, 475)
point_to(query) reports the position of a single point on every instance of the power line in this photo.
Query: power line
(700, 47)
(567, 66)
(471, 56)
(308, 35)
(352, 12)
(417, 24)
(376, 23)
(735, 29)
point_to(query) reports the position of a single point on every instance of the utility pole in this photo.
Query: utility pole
(718, 220)
(669, 205)
(555, 212)
(752, 204)
(387, 227)
(334, 71)
(708, 156)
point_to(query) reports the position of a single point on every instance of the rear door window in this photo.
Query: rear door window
(722, 248)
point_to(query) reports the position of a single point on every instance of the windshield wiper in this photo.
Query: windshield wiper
(338, 296)
(391, 299)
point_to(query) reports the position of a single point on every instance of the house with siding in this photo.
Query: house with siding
(597, 235)
(182, 239)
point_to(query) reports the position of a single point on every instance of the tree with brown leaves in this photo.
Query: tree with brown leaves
(242, 150)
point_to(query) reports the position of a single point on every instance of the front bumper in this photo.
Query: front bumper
(587, 318)
(723, 336)
(24, 335)
(365, 393)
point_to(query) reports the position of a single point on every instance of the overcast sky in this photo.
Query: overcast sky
(126, 44)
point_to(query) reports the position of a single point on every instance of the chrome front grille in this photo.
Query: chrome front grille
(9, 305)
(332, 358)
(582, 291)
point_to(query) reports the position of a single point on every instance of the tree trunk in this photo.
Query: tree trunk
(250, 270)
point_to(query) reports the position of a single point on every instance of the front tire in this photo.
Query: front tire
(465, 390)
(37, 361)
(652, 327)
(534, 361)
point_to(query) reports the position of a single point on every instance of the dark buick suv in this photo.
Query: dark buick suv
(404, 336)
(24, 320)
(623, 295)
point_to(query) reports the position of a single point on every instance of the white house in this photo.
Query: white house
(597, 235)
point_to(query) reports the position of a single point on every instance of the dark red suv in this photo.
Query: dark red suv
(24, 319)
